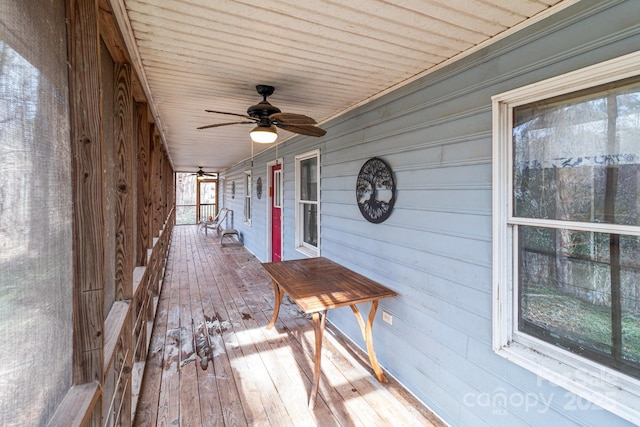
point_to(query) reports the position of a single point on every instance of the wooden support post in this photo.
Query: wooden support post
(143, 192)
(156, 180)
(125, 226)
(88, 224)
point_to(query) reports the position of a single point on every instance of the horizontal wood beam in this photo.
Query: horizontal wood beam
(77, 406)
(113, 327)
(113, 40)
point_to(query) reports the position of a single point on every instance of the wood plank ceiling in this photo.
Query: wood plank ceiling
(324, 58)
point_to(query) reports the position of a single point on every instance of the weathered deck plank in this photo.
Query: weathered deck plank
(147, 407)
(190, 318)
(258, 376)
(223, 404)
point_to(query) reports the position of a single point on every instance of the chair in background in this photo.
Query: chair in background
(215, 223)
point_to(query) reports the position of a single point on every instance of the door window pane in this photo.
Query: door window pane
(277, 189)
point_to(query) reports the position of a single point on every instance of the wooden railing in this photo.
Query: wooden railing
(147, 284)
(207, 210)
(191, 214)
(126, 329)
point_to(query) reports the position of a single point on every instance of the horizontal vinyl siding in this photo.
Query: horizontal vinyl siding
(435, 248)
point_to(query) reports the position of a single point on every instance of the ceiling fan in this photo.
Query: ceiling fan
(267, 118)
(201, 173)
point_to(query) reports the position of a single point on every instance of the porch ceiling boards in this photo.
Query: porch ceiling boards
(323, 57)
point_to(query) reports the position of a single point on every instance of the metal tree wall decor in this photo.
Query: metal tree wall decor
(259, 187)
(375, 190)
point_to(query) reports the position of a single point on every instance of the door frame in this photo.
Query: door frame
(271, 164)
(199, 181)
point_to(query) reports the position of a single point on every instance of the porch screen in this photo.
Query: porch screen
(35, 212)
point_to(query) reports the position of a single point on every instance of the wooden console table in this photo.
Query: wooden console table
(317, 285)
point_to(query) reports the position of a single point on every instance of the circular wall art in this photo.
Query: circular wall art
(233, 190)
(259, 187)
(375, 190)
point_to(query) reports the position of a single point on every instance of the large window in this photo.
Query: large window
(566, 231)
(307, 201)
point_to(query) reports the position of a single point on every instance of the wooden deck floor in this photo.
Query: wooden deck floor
(257, 377)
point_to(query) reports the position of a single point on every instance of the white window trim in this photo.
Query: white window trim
(247, 198)
(609, 389)
(301, 246)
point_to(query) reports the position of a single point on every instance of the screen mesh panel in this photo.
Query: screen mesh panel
(35, 212)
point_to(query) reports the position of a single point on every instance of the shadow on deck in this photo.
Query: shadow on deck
(216, 300)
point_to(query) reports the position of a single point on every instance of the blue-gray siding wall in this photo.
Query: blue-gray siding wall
(435, 249)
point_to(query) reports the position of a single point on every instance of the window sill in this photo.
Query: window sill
(311, 253)
(606, 388)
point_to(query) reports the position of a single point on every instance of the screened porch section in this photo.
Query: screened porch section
(196, 197)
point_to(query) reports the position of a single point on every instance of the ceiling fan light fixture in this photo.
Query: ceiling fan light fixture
(264, 134)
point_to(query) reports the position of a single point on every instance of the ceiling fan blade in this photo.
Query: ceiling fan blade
(232, 114)
(225, 124)
(308, 130)
(292, 119)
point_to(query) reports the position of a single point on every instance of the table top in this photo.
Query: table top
(317, 284)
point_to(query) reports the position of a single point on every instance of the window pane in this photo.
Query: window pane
(308, 179)
(310, 225)
(247, 197)
(578, 160)
(277, 189)
(208, 190)
(579, 290)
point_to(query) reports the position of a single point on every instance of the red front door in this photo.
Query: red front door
(276, 213)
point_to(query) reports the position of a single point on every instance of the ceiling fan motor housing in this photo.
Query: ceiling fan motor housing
(263, 109)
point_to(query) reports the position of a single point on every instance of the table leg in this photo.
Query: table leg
(319, 319)
(367, 335)
(279, 293)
